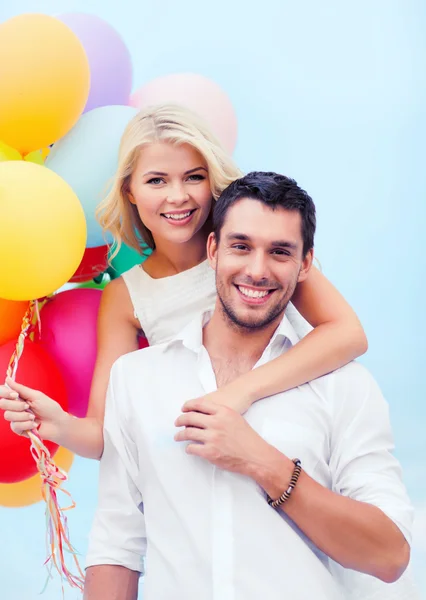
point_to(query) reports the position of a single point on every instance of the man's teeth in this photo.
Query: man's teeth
(253, 293)
(177, 217)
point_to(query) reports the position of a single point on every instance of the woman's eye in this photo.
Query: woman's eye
(196, 177)
(155, 180)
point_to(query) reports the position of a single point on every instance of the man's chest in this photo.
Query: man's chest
(296, 422)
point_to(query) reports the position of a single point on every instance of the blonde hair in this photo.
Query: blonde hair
(164, 123)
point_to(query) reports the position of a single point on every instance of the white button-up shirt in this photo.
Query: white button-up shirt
(209, 534)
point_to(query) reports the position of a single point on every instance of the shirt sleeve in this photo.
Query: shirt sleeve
(299, 323)
(118, 535)
(362, 463)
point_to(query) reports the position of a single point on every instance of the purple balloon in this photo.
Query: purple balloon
(109, 59)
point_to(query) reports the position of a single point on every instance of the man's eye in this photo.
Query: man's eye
(239, 247)
(281, 252)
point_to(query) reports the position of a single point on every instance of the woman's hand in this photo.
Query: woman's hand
(27, 409)
(227, 397)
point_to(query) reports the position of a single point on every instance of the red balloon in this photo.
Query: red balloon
(38, 370)
(93, 263)
(142, 342)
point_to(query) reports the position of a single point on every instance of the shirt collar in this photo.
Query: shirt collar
(192, 335)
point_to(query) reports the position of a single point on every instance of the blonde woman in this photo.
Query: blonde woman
(170, 171)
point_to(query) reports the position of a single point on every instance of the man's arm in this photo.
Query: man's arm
(110, 582)
(355, 534)
(365, 522)
(117, 541)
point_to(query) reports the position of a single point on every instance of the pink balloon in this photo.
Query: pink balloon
(68, 334)
(198, 93)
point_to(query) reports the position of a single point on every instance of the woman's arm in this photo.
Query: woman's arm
(337, 338)
(117, 335)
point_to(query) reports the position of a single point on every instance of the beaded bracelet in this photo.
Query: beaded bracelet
(286, 495)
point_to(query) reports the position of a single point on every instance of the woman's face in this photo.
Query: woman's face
(171, 189)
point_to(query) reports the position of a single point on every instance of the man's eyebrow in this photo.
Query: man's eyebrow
(243, 237)
(284, 244)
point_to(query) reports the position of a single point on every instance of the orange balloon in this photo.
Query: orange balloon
(44, 81)
(11, 315)
(27, 492)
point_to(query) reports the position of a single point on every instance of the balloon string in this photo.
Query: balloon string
(52, 477)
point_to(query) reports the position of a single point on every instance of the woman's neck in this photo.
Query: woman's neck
(169, 258)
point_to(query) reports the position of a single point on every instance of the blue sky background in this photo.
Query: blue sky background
(333, 94)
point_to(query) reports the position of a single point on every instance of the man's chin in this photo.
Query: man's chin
(250, 322)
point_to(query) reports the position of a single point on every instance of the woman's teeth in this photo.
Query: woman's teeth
(177, 217)
(253, 293)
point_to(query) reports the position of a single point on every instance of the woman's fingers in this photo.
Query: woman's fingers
(18, 417)
(22, 428)
(14, 405)
(24, 392)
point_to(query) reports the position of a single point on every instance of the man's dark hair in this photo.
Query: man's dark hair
(275, 191)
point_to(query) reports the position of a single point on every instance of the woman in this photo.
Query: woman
(170, 170)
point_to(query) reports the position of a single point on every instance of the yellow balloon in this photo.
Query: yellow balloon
(8, 153)
(42, 231)
(27, 492)
(44, 81)
(36, 156)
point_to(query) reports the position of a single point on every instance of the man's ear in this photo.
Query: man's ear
(212, 250)
(306, 266)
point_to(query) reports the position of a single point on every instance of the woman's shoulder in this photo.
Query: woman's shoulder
(116, 299)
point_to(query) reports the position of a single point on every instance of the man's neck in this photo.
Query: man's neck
(233, 350)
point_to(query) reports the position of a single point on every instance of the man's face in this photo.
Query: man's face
(258, 262)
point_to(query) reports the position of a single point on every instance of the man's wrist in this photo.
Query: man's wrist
(271, 470)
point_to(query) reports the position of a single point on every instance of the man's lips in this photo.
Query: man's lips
(254, 295)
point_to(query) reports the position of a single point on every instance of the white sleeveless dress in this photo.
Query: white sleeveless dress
(165, 306)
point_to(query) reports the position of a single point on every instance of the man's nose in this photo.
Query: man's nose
(257, 266)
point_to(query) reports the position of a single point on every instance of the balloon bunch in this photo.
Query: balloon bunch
(56, 78)
(64, 104)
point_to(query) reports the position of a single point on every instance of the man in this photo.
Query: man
(197, 500)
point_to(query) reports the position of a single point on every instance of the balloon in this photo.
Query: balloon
(109, 59)
(28, 491)
(87, 159)
(44, 81)
(92, 285)
(68, 333)
(142, 342)
(42, 231)
(126, 258)
(11, 315)
(37, 370)
(198, 93)
(94, 262)
(8, 153)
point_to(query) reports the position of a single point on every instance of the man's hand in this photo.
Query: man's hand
(221, 436)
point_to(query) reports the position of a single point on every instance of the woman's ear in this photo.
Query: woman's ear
(306, 266)
(212, 250)
(130, 197)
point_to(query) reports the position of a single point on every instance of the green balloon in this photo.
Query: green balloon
(95, 284)
(126, 259)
